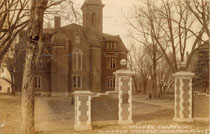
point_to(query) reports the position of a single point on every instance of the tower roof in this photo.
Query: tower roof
(92, 2)
(95, 2)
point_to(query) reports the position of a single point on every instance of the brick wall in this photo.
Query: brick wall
(60, 69)
(109, 72)
(104, 107)
(200, 105)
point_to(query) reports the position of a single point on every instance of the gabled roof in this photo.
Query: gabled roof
(67, 32)
(64, 33)
(205, 45)
(121, 45)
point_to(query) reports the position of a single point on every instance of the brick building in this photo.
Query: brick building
(75, 57)
(200, 66)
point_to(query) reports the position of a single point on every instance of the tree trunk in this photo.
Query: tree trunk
(154, 71)
(144, 86)
(35, 28)
(135, 84)
(28, 94)
(12, 83)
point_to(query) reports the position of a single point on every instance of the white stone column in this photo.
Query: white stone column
(82, 110)
(124, 88)
(183, 96)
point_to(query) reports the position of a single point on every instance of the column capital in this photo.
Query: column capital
(123, 72)
(183, 74)
(82, 92)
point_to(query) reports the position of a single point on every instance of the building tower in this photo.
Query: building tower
(93, 15)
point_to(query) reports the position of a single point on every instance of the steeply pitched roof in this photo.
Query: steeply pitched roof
(64, 33)
(205, 45)
(67, 32)
(121, 46)
(96, 2)
(92, 2)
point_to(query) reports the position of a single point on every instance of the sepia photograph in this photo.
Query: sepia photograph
(104, 66)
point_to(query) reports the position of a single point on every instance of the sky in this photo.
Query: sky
(115, 13)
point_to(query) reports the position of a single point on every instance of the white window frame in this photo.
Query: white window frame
(77, 80)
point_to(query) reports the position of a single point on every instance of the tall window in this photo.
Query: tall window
(111, 62)
(110, 82)
(77, 60)
(38, 82)
(76, 82)
(40, 62)
(93, 18)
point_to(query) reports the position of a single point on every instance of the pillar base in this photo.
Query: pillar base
(183, 119)
(125, 122)
(82, 128)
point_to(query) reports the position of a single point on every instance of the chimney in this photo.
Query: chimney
(57, 22)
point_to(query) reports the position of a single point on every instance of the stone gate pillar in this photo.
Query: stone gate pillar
(124, 88)
(82, 110)
(183, 96)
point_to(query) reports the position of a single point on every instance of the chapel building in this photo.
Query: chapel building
(75, 57)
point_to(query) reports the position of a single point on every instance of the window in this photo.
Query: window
(77, 38)
(77, 60)
(115, 45)
(111, 62)
(38, 82)
(107, 43)
(40, 62)
(93, 18)
(111, 44)
(110, 82)
(0, 88)
(76, 82)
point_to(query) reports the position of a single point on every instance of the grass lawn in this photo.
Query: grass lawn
(56, 116)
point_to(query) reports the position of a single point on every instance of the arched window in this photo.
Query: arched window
(77, 38)
(76, 60)
(93, 18)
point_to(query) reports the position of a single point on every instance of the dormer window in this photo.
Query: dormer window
(111, 44)
(77, 38)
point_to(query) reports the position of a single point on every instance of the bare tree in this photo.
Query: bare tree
(13, 19)
(9, 63)
(200, 9)
(33, 48)
(141, 64)
(34, 41)
(164, 77)
(147, 39)
(169, 25)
